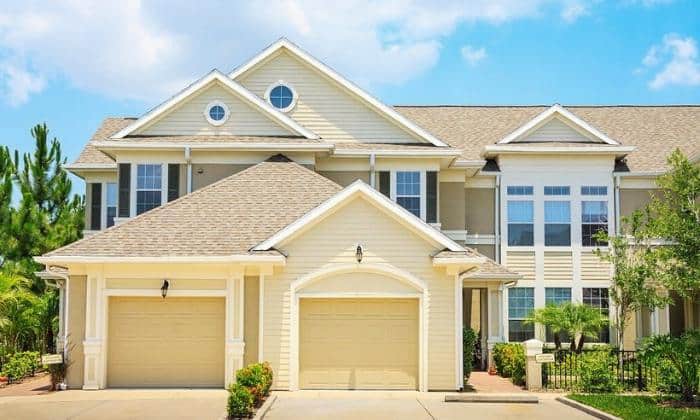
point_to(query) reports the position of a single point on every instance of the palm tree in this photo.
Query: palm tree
(18, 325)
(577, 320)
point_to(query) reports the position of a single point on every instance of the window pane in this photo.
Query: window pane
(411, 204)
(594, 190)
(588, 232)
(111, 194)
(522, 234)
(594, 211)
(111, 214)
(556, 296)
(597, 297)
(147, 200)
(407, 183)
(519, 190)
(557, 235)
(520, 212)
(557, 212)
(518, 331)
(521, 301)
(148, 177)
(558, 190)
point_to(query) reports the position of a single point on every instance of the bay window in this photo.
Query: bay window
(149, 187)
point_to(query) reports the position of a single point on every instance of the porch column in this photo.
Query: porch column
(495, 320)
(61, 335)
(235, 312)
(94, 345)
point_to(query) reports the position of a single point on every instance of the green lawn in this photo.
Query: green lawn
(635, 407)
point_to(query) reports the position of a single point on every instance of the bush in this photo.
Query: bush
(596, 372)
(510, 361)
(468, 342)
(21, 364)
(667, 378)
(681, 356)
(257, 378)
(240, 401)
(58, 374)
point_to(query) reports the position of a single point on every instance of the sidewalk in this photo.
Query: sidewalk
(484, 383)
(37, 385)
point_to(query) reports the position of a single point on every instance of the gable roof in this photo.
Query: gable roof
(370, 100)
(356, 189)
(200, 84)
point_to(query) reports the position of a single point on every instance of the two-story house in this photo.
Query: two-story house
(281, 213)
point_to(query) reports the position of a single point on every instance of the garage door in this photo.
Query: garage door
(173, 342)
(358, 343)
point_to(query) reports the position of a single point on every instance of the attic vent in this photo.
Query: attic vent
(279, 158)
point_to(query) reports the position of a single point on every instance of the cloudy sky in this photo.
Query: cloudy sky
(71, 63)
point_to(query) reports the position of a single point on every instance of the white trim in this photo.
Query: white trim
(388, 112)
(295, 95)
(545, 116)
(474, 239)
(382, 269)
(402, 153)
(171, 293)
(145, 144)
(273, 259)
(459, 320)
(90, 166)
(359, 187)
(242, 92)
(212, 121)
(544, 149)
(261, 317)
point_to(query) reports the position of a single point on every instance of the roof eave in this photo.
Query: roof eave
(495, 150)
(204, 259)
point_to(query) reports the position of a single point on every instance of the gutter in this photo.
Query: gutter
(372, 162)
(270, 259)
(188, 159)
(497, 219)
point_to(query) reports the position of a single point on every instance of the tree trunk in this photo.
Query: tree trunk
(581, 339)
(557, 341)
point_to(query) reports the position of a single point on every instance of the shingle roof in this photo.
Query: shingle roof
(225, 218)
(655, 130)
(90, 154)
(489, 268)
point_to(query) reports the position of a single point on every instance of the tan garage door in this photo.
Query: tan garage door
(358, 344)
(173, 342)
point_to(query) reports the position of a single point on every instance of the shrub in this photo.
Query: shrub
(510, 361)
(596, 372)
(257, 378)
(240, 401)
(58, 374)
(667, 378)
(21, 364)
(681, 355)
(468, 342)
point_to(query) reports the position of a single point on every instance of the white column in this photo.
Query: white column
(94, 347)
(60, 336)
(495, 329)
(235, 345)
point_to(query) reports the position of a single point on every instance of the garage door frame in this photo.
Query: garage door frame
(407, 278)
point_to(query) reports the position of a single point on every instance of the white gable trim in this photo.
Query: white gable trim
(556, 110)
(360, 188)
(239, 90)
(387, 111)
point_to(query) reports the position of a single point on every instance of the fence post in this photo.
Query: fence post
(533, 370)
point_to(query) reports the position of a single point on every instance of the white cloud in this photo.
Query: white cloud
(149, 50)
(675, 60)
(473, 55)
(574, 10)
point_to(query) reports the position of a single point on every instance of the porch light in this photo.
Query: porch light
(358, 254)
(164, 288)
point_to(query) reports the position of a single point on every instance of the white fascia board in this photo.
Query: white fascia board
(234, 87)
(445, 261)
(272, 259)
(563, 112)
(117, 145)
(388, 112)
(641, 174)
(359, 187)
(402, 153)
(90, 166)
(492, 276)
(495, 149)
(468, 163)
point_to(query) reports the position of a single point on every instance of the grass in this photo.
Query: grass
(633, 407)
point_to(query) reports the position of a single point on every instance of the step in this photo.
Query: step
(493, 398)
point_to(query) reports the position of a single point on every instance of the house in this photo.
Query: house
(281, 213)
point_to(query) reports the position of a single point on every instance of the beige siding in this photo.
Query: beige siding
(452, 206)
(631, 200)
(522, 262)
(558, 266)
(188, 118)
(252, 313)
(76, 331)
(592, 268)
(556, 130)
(175, 284)
(212, 172)
(324, 107)
(346, 178)
(480, 211)
(385, 241)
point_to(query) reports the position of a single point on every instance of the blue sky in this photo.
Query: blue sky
(70, 65)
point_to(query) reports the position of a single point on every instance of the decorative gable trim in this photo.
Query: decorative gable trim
(351, 191)
(556, 110)
(387, 111)
(240, 91)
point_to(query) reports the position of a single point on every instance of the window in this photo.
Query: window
(557, 296)
(521, 301)
(557, 223)
(594, 218)
(597, 297)
(216, 113)
(281, 96)
(594, 190)
(149, 182)
(521, 228)
(519, 190)
(408, 191)
(111, 203)
(557, 190)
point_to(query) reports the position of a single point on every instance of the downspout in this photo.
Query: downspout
(497, 219)
(616, 181)
(188, 159)
(64, 300)
(372, 162)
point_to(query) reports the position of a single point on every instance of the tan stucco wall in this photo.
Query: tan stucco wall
(452, 206)
(250, 329)
(346, 178)
(479, 210)
(632, 199)
(333, 240)
(212, 172)
(76, 330)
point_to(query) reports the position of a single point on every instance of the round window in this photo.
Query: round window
(281, 96)
(216, 113)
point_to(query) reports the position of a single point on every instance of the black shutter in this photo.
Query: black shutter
(124, 190)
(431, 191)
(173, 181)
(385, 183)
(96, 206)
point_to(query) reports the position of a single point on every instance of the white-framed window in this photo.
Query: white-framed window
(110, 203)
(521, 216)
(598, 297)
(216, 113)
(594, 219)
(149, 187)
(282, 96)
(556, 296)
(521, 301)
(557, 223)
(408, 191)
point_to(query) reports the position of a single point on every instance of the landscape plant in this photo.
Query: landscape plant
(682, 354)
(240, 401)
(469, 338)
(596, 373)
(510, 361)
(578, 320)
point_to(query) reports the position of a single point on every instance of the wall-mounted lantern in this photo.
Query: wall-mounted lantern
(164, 288)
(358, 253)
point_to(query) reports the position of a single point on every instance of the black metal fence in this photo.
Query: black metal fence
(632, 373)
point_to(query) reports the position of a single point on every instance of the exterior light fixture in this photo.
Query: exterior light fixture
(358, 253)
(164, 288)
(200, 171)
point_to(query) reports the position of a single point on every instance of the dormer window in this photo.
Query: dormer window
(282, 96)
(216, 113)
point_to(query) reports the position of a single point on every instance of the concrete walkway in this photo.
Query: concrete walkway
(30, 386)
(485, 383)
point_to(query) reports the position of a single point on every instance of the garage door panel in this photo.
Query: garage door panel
(173, 342)
(359, 343)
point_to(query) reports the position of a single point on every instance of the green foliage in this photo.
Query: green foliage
(240, 401)
(682, 354)
(635, 407)
(667, 378)
(58, 374)
(596, 372)
(257, 378)
(21, 364)
(510, 361)
(576, 319)
(469, 338)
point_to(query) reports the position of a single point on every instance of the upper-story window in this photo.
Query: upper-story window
(111, 203)
(149, 187)
(216, 113)
(557, 217)
(408, 191)
(282, 96)
(594, 190)
(594, 219)
(521, 217)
